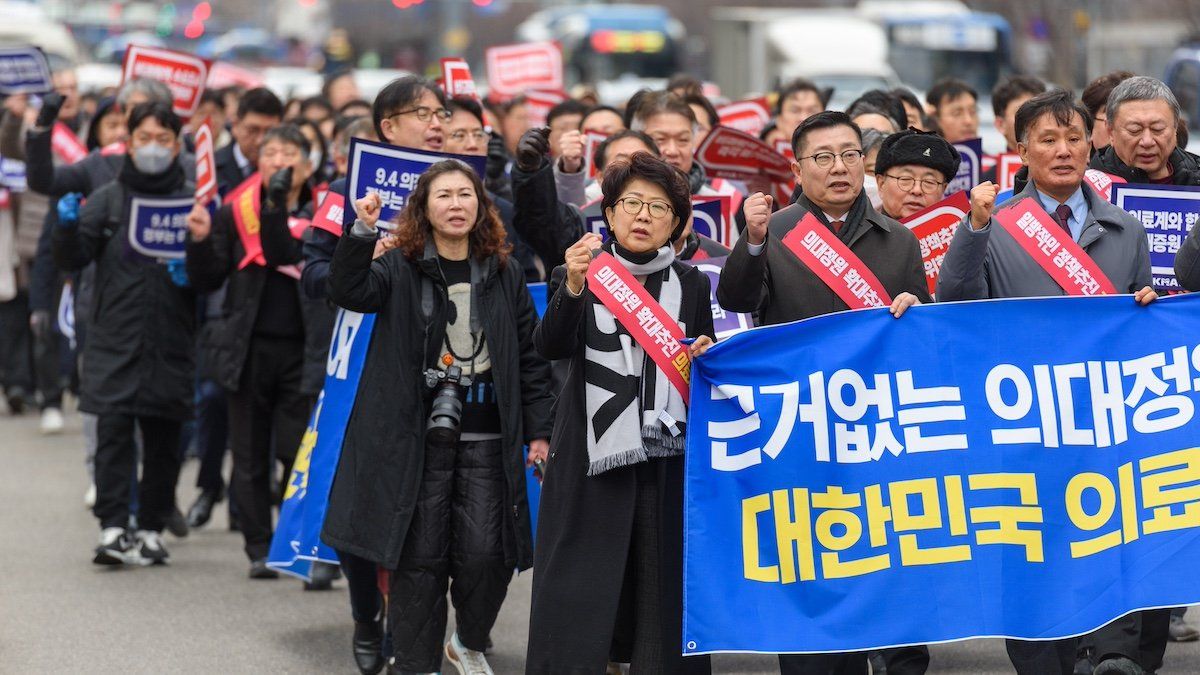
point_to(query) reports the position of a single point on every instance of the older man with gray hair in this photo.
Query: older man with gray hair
(1143, 120)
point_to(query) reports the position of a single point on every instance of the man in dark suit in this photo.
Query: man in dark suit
(259, 111)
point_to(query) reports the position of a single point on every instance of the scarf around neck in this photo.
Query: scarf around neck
(633, 412)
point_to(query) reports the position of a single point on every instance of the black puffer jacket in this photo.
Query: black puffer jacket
(226, 340)
(138, 358)
(379, 474)
(1185, 167)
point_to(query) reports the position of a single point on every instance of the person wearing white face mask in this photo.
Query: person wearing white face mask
(137, 361)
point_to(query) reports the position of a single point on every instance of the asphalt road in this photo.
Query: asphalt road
(201, 614)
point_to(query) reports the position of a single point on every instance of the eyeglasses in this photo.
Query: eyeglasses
(825, 159)
(928, 185)
(425, 113)
(462, 135)
(633, 206)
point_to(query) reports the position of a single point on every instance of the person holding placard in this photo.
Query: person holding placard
(987, 260)
(615, 470)
(1143, 117)
(137, 365)
(431, 479)
(267, 347)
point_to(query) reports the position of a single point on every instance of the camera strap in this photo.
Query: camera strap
(427, 296)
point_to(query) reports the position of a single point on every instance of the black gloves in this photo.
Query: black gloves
(532, 149)
(278, 188)
(51, 104)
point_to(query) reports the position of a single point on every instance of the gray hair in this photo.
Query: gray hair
(872, 139)
(1141, 88)
(152, 89)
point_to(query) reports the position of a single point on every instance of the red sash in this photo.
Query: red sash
(246, 202)
(329, 215)
(835, 264)
(1044, 240)
(65, 145)
(1102, 182)
(647, 322)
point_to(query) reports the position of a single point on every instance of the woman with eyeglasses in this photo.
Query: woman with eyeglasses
(608, 563)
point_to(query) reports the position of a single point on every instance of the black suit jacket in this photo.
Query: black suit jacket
(229, 175)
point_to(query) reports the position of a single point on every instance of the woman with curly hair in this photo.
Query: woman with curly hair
(431, 480)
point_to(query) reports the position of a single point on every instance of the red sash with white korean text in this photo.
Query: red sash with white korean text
(1102, 182)
(657, 333)
(246, 202)
(835, 264)
(1046, 242)
(66, 145)
(329, 215)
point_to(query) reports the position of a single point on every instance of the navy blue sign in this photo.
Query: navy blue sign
(24, 70)
(967, 177)
(392, 173)
(158, 227)
(846, 469)
(1168, 213)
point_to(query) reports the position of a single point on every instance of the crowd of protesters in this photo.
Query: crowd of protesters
(226, 349)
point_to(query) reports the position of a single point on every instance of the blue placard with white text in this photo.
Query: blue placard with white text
(158, 226)
(391, 172)
(1168, 213)
(965, 459)
(24, 70)
(971, 152)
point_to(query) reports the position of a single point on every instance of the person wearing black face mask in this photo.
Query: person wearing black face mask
(137, 361)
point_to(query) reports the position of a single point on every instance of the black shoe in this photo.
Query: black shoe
(322, 577)
(149, 549)
(233, 521)
(259, 570)
(368, 646)
(177, 524)
(201, 510)
(1119, 665)
(114, 547)
(16, 403)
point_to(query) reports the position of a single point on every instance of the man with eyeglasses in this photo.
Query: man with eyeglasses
(912, 171)
(763, 275)
(259, 111)
(464, 130)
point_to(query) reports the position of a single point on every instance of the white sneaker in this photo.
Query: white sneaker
(149, 549)
(467, 662)
(114, 547)
(89, 496)
(52, 421)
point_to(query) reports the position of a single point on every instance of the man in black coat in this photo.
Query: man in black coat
(259, 111)
(762, 275)
(1143, 118)
(268, 329)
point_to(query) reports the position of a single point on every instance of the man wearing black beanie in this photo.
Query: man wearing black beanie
(912, 171)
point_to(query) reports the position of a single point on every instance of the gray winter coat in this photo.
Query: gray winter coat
(989, 263)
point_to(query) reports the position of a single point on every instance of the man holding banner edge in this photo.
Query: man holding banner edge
(1053, 142)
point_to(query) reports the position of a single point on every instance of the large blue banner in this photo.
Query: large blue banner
(392, 172)
(1168, 213)
(297, 540)
(1018, 468)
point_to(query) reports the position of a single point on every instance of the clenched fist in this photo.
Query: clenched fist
(199, 223)
(368, 209)
(570, 151)
(757, 209)
(983, 203)
(578, 257)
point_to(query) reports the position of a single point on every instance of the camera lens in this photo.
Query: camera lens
(445, 416)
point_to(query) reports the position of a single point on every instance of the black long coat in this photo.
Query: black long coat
(138, 358)
(585, 522)
(379, 474)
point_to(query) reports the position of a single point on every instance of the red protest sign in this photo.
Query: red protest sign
(457, 80)
(591, 143)
(223, 75)
(514, 69)
(539, 102)
(750, 116)
(934, 228)
(206, 164)
(1007, 166)
(729, 153)
(184, 74)
(785, 148)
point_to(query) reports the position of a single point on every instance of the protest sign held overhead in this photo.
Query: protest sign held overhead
(184, 74)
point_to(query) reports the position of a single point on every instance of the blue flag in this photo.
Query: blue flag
(1013, 468)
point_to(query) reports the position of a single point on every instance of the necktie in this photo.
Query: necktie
(1063, 214)
(837, 225)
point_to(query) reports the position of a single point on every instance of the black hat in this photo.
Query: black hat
(920, 148)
